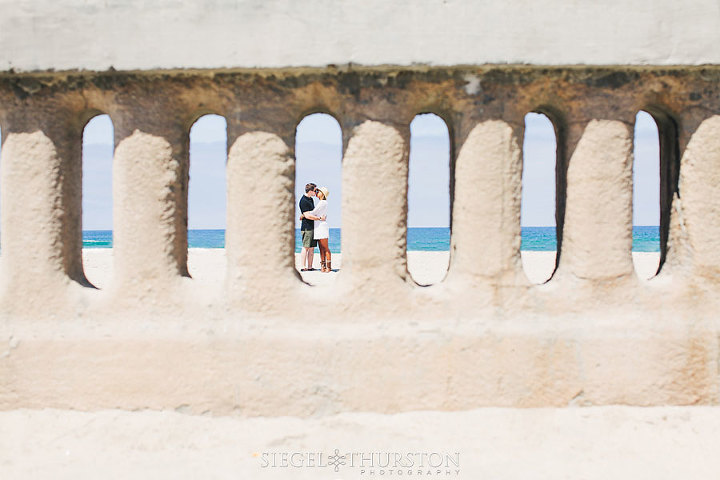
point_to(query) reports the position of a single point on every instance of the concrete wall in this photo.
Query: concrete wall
(595, 334)
(133, 34)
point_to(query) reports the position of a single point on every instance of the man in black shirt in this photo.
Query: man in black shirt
(306, 229)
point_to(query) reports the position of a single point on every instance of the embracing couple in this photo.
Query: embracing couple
(314, 228)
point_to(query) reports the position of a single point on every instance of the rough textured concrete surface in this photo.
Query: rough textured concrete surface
(147, 190)
(375, 169)
(597, 443)
(597, 240)
(132, 35)
(487, 197)
(260, 173)
(699, 181)
(146, 369)
(154, 337)
(39, 251)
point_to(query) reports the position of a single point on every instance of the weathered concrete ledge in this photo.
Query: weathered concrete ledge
(622, 443)
(166, 34)
(267, 367)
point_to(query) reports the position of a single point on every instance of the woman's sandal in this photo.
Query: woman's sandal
(322, 266)
(328, 267)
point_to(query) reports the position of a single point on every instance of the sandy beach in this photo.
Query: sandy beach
(207, 265)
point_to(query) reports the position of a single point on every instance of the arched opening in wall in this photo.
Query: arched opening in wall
(207, 199)
(428, 234)
(98, 146)
(318, 154)
(538, 208)
(646, 196)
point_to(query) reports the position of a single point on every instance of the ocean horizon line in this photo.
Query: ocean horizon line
(646, 238)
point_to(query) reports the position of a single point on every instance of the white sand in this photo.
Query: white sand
(207, 265)
(589, 443)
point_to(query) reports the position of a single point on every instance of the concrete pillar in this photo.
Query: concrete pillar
(374, 176)
(485, 239)
(41, 203)
(597, 237)
(697, 211)
(150, 175)
(260, 234)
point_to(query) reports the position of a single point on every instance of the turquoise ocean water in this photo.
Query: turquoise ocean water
(645, 239)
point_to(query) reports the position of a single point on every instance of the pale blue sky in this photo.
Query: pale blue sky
(318, 151)
(429, 173)
(319, 154)
(646, 171)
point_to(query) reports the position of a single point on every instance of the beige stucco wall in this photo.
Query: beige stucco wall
(595, 334)
(378, 356)
(128, 35)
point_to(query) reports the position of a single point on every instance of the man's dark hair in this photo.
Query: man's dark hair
(310, 186)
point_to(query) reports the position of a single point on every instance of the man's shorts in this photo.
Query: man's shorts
(308, 240)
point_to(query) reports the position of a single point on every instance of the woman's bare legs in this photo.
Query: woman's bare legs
(328, 258)
(325, 255)
(323, 244)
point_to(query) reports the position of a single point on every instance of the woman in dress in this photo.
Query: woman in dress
(321, 232)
